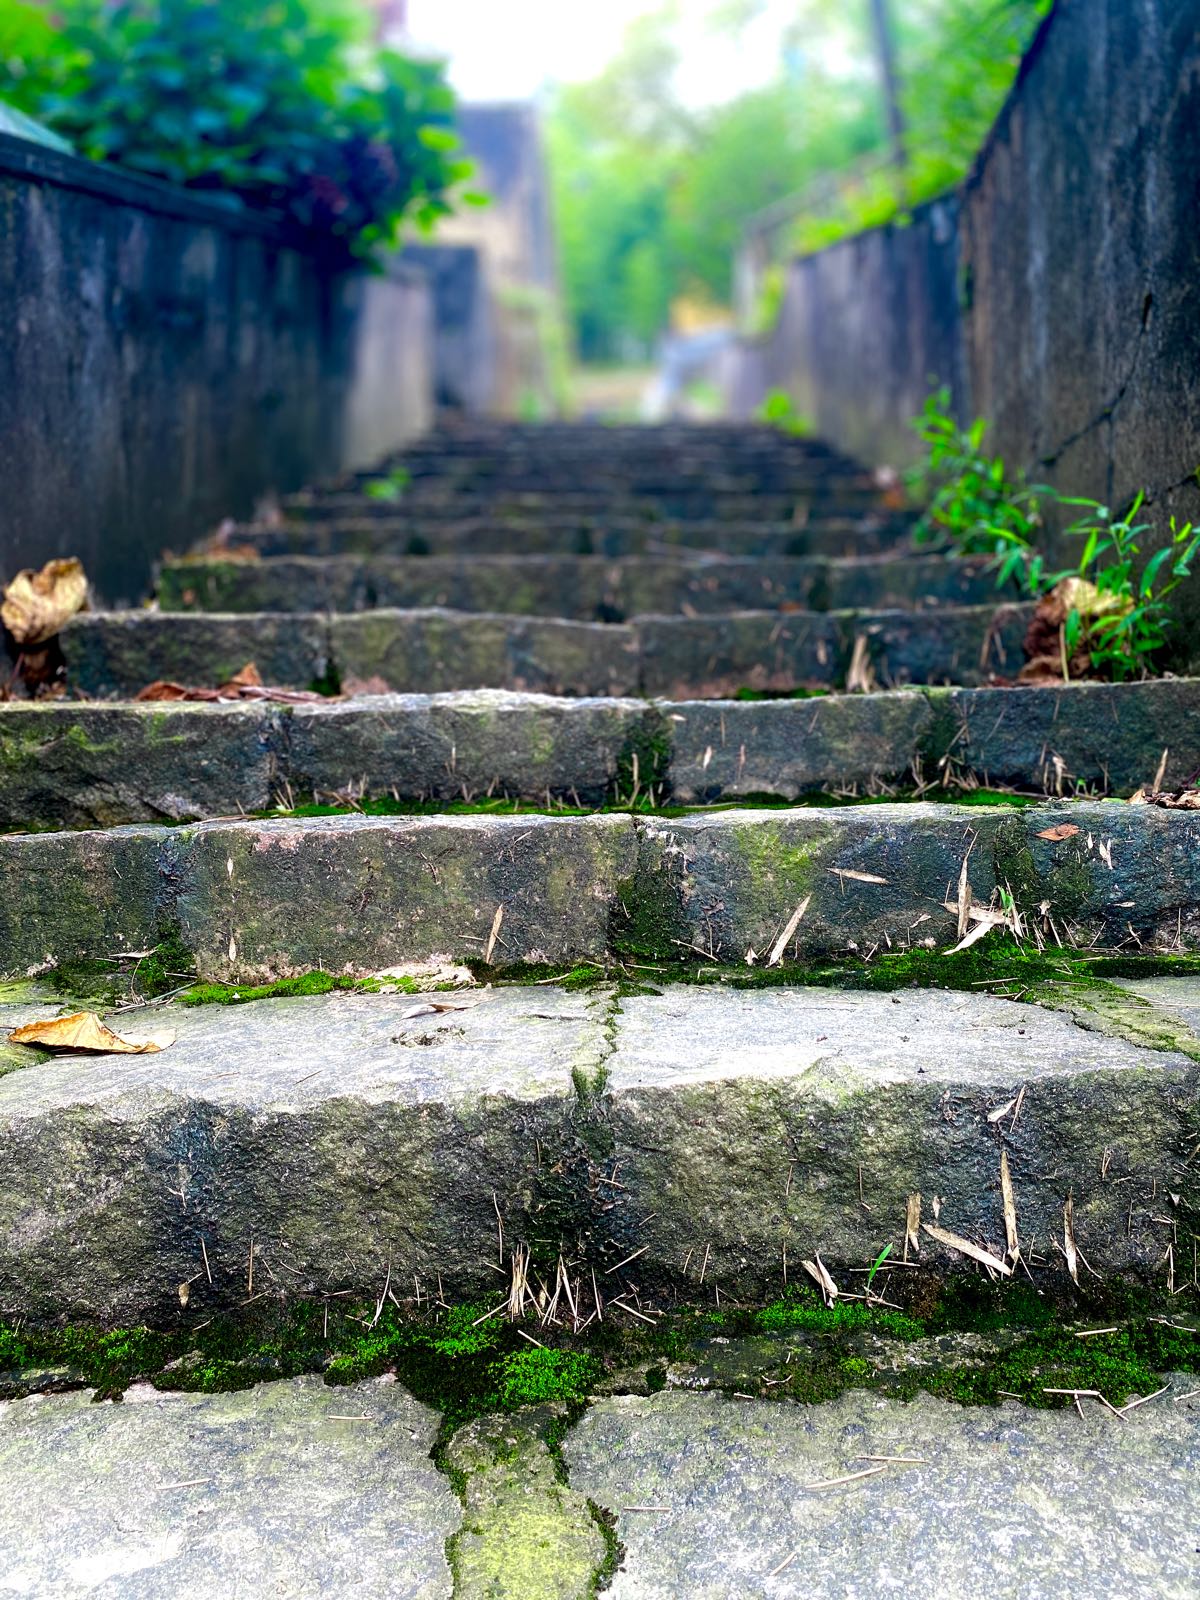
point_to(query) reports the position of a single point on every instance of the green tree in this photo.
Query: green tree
(285, 103)
(653, 194)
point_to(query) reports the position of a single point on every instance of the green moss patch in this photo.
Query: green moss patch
(468, 1361)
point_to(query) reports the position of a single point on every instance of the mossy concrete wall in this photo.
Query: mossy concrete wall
(166, 359)
(1053, 291)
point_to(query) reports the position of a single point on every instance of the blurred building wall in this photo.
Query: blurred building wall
(165, 360)
(514, 235)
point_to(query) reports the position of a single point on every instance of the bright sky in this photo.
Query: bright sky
(510, 49)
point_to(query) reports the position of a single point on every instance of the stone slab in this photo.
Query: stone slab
(1012, 1503)
(261, 900)
(66, 896)
(120, 652)
(744, 1121)
(681, 503)
(582, 588)
(551, 533)
(335, 1134)
(66, 764)
(259, 1492)
(432, 651)
(1098, 735)
(677, 1142)
(838, 743)
(424, 651)
(878, 877)
(463, 746)
(264, 899)
(714, 657)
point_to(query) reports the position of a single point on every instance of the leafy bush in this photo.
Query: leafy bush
(975, 503)
(1109, 612)
(1119, 616)
(779, 409)
(285, 103)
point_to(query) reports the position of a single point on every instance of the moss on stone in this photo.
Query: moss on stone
(306, 983)
(139, 976)
(468, 1361)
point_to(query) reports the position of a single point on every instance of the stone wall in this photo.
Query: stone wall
(465, 333)
(514, 236)
(166, 360)
(1055, 292)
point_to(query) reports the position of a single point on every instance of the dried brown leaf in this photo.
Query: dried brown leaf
(83, 1032)
(248, 678)
(493, 935)
(1064, 830)
(1179, 800)
(37, 605)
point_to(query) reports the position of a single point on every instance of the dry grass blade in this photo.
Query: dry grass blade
(785, 938)
(493, 936)
(965, 1247)
(1010, 1210)
(518, 1292)
(856, 877)
(850, 1477)
(860, 675)
(912, 1224)
(964, 897)
(979, 931)
(1143, 1400)
(818, 1271)
(1069, 1249)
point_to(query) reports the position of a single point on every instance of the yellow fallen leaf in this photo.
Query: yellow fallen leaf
(36, 605)
(83, 1032)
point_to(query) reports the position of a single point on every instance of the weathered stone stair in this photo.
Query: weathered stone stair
(601, 714)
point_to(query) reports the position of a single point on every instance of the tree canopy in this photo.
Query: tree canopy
(653, 192)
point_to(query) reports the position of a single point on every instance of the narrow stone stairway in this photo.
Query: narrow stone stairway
(673, 1073)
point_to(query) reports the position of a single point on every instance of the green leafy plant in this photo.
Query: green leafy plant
(1110, 610)
(876, 1264)
(1115, 613)
(779, 409)
(390, 487)
(974, 502)
(287, 105)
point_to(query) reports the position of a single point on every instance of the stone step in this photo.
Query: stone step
(70, 764)
(119, 653)
(396, 532)
(673, 1143)
(627, 480)
(684, 504)
(1009, 1502)
(257, 900)
(289, 1488)
(578, 587)
(848, 1498)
